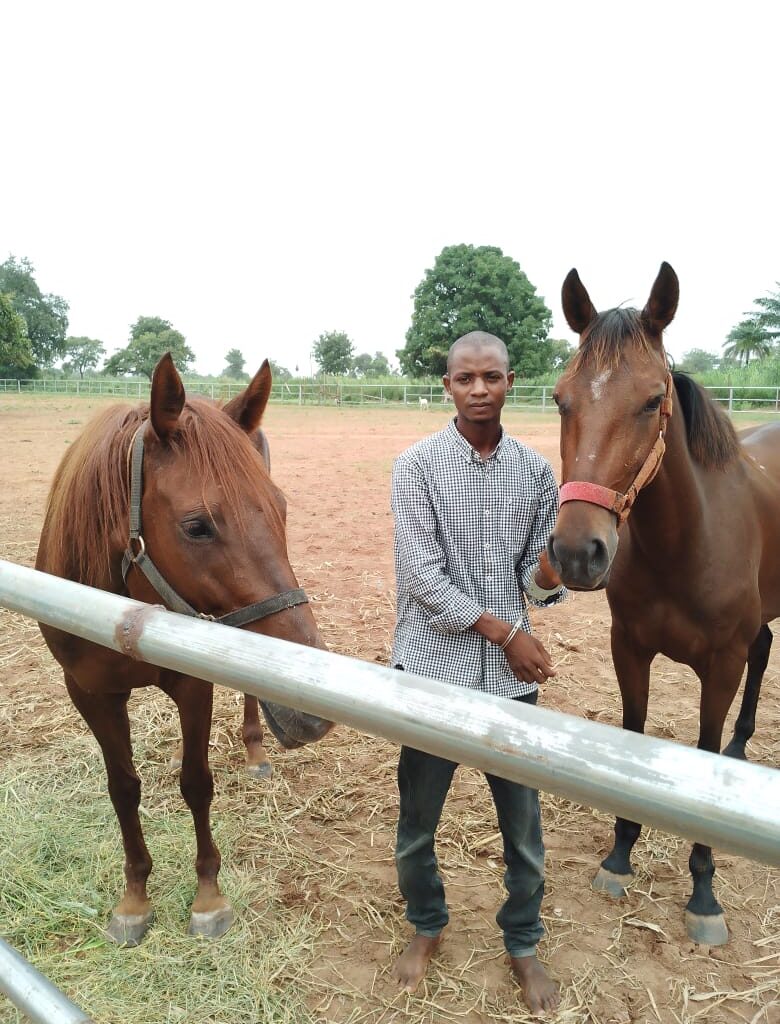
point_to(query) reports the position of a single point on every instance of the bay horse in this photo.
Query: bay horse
(191, 476)
(678, 516)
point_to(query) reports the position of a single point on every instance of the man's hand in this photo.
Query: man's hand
(545, 576)
(528, 659)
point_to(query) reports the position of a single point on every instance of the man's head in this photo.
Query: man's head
(478, 376)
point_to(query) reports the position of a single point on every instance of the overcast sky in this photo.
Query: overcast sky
(260, 173)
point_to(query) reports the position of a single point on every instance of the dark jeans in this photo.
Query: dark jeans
(423, 784)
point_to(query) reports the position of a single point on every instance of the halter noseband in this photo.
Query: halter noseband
(616, 501)
(174, 601)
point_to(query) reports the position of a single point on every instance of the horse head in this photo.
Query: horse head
(614, 399)
(214, 522)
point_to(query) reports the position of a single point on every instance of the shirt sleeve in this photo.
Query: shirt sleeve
(420, 557)
(543, 525)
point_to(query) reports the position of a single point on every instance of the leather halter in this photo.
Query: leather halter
(174, 601)
(616, 501)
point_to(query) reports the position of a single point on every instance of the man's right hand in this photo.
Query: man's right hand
(528, 659)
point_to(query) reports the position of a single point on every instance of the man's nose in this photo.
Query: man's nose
(479, 386)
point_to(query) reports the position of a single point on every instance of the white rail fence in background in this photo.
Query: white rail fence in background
(705, 797)
(313, 392)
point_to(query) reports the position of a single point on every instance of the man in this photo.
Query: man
(473, 510)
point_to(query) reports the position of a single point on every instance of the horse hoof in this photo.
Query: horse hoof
(610, 883)
(211, 924)
(128, 929)
(175, 764)
(706, 929)
(260, 771)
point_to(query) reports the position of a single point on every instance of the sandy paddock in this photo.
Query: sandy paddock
(617, 962)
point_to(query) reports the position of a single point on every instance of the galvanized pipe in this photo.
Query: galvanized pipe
(704, 797)
(33, 993)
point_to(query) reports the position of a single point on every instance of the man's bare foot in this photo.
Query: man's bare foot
(410, 967)
(539, 990)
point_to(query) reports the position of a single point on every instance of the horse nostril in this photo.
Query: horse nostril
(598, 557)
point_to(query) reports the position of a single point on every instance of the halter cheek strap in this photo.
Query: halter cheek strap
(616, 501)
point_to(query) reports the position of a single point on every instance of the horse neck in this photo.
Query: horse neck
(671, 505)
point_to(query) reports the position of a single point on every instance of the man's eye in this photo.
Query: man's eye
(198, 529)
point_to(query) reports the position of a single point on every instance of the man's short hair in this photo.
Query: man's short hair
(477, 339)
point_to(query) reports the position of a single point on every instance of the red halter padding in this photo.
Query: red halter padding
(616, 501)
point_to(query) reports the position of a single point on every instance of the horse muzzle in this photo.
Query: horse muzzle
(294, 728)
(580, 552)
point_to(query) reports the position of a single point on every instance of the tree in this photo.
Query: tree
(280, 372)
(46, 316)
(476, 288)
(697, 360)
(333, 352)
(150, 339)
(83, 354)
(365, 365)
(235, 365)
(16, 355)
(561, 352)
(748, 338)
(768, 315)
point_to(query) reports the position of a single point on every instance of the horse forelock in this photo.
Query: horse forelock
(89, 503)
(608, 339)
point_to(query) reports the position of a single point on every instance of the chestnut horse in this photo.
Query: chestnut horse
(190, 476)
(678, 517)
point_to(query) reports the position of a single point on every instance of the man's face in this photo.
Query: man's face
(478, 382)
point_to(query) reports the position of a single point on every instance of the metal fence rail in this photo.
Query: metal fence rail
(346, 393)
(705, 797)
(33, 993)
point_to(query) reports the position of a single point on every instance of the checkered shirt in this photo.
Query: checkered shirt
(468, 534)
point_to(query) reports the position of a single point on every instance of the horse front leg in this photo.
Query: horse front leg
(106, 716)
(211, 914)
(704, 918)
(257, 762)
(632, 666)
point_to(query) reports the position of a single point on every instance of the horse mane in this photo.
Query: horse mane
(712, 440)
(87, 515)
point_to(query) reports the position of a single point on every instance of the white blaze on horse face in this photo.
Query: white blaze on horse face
(597, 384)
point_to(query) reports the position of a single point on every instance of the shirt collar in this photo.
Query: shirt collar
(469, 453)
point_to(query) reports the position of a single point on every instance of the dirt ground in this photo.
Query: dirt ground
(617, 962)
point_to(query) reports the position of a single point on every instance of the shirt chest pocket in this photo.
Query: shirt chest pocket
(515, 518)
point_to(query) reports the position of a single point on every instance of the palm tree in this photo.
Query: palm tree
(748, 338)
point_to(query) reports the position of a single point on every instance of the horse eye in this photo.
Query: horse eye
(198, 529)
(654, 404)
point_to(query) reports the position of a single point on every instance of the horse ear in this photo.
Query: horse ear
(167, 400)
(662, 304)
(577, 307)
(247, 408)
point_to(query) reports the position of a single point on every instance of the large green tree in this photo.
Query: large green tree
(83, 354)
(150, 338)
(16, 355)
(46, 316)
(333, 352)
(476, 288)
